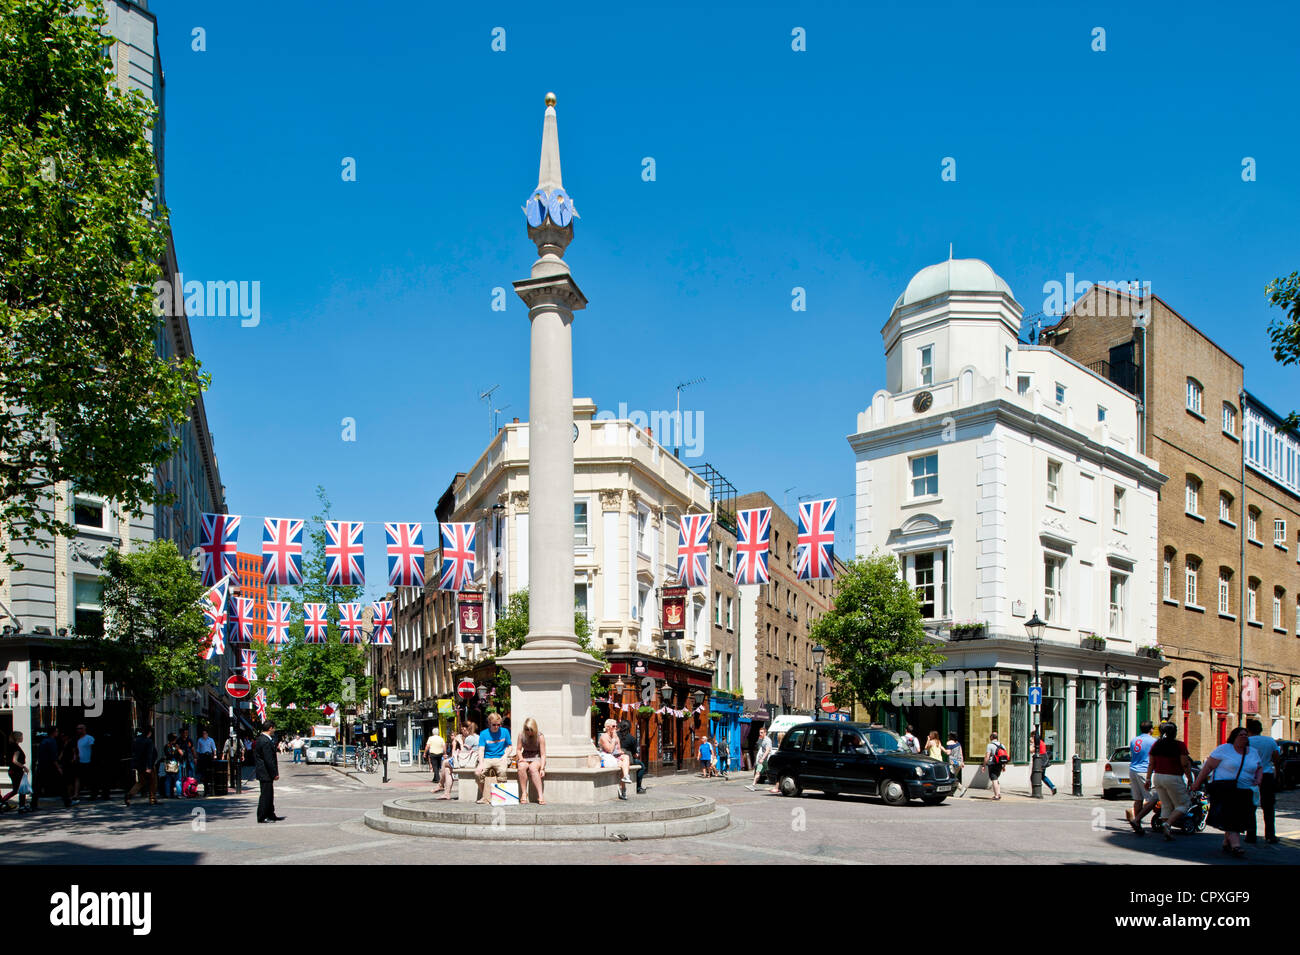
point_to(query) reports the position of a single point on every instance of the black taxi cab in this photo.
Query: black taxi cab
(861, 758)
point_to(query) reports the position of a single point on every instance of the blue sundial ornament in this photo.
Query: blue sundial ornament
(535, 208)
(560, 207)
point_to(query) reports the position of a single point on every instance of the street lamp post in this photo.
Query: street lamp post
(818, 655)
(1035, 627)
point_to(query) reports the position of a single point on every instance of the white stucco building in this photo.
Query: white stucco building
(1005, 478)
(629, 494)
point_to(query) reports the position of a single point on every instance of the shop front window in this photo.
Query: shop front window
(1116, 717)
(1018, 747)
(1085, 718)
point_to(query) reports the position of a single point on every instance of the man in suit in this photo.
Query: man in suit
(267, 770)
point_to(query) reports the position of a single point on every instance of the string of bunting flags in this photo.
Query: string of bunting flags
(282, 565)
(814, 551)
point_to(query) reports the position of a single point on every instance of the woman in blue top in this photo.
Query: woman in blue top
(1236, 767)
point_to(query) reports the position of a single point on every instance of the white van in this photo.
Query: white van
(783, 724)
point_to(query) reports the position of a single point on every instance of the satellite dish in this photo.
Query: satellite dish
(535, 208)
(560, 207)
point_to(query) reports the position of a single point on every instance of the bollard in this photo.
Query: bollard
(1076, 783)
(1036, 776)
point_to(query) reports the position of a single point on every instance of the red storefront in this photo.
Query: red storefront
(667, 703)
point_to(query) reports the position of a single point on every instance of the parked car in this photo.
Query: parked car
(857, 758)
(1114, 780)
(318, 749)
(343, 755)
(1290, 777)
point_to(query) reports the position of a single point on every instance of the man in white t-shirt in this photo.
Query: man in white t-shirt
(912, 742)
(297, 749)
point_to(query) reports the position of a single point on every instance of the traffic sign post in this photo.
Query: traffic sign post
(827, 705)
(465, 689)
(1036, 696)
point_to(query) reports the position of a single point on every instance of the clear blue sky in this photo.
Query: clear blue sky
(775, 169)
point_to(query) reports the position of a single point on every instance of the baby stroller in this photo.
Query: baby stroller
(1192, 821)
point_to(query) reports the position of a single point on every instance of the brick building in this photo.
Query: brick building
(1229, 516)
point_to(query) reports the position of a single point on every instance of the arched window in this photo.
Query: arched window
(1225, 508)
(1225, 591)
(1167, 580)
(1194, 393)
(1279, 599)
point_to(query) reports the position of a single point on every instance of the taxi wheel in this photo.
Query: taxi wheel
(894, 793)
(790, 786)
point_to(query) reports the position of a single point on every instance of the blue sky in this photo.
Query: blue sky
(775, 169)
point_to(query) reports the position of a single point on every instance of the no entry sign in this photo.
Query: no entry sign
(827, 705)
(465, 689)
(237, 686)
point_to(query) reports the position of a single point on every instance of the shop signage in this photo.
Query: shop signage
(1250, 695)
(674, 612)
(469, 608)
(446, 708)
(827, 705)
(1218, 691)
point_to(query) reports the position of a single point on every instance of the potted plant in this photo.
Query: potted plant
(1154, 652)
(1093, 642)
(968, 630)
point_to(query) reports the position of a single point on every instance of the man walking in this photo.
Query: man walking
(233, 753)
(1140, 748)
(913, 744)
(956, 760)
(144, 760)
(206, 752)
(1270, 757)
(297, 749)
(434, 750)
(267, 769)
(85, 757)
(995, 757)
(760, 757)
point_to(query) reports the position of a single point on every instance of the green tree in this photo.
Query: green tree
(512, 631)
(84, 395)
(313, 674)
(873, 632)
(154, 621)
(1285, 332)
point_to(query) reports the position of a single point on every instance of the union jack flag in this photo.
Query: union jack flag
(753, 529)
(350, 622)
(241, 624)
(815, 550)
(281, 552)
(259, 701)
(275, 668)
(405, 555)
(693, 549)
(214, 615)
(218, 542)
(248, 663)
(316, 622)
(383, 634)
(277, 621)
(344, 554)
(457, 555)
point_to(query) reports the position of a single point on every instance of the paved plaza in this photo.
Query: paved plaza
(324, 810)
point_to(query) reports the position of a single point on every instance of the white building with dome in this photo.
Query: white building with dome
(1005, 478)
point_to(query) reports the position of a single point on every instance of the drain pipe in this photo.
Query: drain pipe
(1242, 516)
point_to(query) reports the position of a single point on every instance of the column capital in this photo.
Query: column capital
(556, 291)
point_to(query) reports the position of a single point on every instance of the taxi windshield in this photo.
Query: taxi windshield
(883, 741)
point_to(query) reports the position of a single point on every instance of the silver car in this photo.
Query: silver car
(1114, 781)
(318, 749)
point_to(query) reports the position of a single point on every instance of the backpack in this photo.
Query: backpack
(190, 787)
(1000, 757)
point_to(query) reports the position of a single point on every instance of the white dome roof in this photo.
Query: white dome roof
(952, 275)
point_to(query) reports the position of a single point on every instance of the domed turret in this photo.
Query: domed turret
(952, 275)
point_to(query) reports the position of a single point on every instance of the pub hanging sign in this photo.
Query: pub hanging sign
(674, 612)
(1219, 691)
(469, 610)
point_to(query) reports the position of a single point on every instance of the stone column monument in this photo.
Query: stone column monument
(551, 676)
